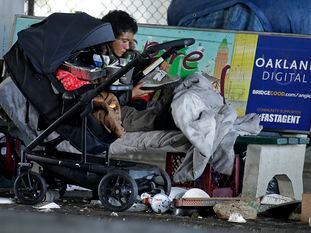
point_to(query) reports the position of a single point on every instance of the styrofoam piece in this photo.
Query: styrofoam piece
(236, 217)
(275, 199)
(195, 193)
(71, 187)
(4, 200)
(51, 205)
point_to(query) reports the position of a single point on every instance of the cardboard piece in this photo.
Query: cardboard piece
(306, 207)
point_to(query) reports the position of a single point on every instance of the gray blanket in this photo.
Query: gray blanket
(152, 141)
(210, 125)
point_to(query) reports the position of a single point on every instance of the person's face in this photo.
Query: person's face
(122, 43)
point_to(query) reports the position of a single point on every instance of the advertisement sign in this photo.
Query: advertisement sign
(280, 90)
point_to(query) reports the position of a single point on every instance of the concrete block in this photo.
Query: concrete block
(263, 162)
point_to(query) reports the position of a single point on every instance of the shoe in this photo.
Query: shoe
(158, 79)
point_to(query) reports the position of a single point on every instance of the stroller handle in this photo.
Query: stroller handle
(166, 45)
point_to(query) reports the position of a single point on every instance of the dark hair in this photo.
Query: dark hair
(121, 22)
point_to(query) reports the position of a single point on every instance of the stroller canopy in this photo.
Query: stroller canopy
(48, 43)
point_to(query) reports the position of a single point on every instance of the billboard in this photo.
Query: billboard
(280, 90)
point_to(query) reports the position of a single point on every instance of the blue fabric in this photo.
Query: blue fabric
(286, 16)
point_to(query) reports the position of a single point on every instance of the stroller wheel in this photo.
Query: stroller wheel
(163, 182)
(117, 191)
(30, 188)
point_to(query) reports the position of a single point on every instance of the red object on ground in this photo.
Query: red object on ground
(212, 182)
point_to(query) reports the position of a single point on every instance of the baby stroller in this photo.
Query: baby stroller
(31, 63)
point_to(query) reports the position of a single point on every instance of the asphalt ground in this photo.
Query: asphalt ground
(77, 214)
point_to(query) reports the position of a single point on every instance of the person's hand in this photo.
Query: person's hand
(137, 92)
